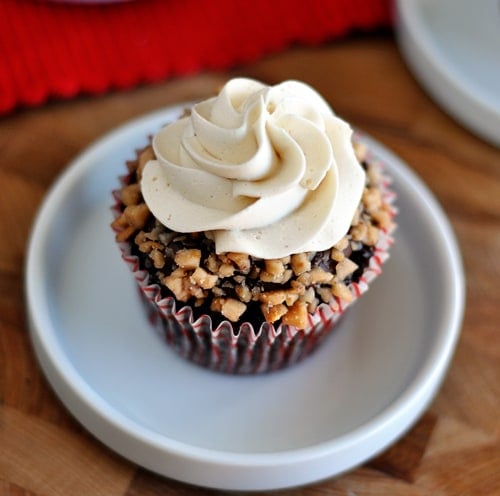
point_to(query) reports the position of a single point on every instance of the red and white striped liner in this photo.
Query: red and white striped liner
(241, 348)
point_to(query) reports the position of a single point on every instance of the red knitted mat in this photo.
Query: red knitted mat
(55, 49)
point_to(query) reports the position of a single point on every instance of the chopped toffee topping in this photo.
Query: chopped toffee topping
(239, 287)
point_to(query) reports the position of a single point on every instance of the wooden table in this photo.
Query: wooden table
(455, 447)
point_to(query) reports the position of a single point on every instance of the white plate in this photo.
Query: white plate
(359, 392)
(453, 47)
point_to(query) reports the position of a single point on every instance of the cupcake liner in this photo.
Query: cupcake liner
(239, 348)
(232, 349)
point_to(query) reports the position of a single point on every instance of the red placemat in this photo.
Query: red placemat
(59, 50)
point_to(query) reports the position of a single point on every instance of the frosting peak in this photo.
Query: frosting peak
(264, 170)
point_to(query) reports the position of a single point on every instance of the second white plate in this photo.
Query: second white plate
(453, 48)
(357, 394)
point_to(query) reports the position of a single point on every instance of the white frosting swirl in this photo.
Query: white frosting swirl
(264, 170)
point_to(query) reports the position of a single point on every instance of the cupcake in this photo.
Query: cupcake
(251, 224)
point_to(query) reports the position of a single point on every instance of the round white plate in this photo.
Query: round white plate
(453, 47)
(356, 395)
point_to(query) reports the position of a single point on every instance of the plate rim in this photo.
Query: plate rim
(239, 468)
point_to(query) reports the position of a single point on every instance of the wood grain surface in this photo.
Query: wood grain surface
(453, 450)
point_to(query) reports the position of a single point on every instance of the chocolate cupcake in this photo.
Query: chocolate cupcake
(251, 224)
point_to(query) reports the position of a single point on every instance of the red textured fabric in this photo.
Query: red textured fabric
(58, 50)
